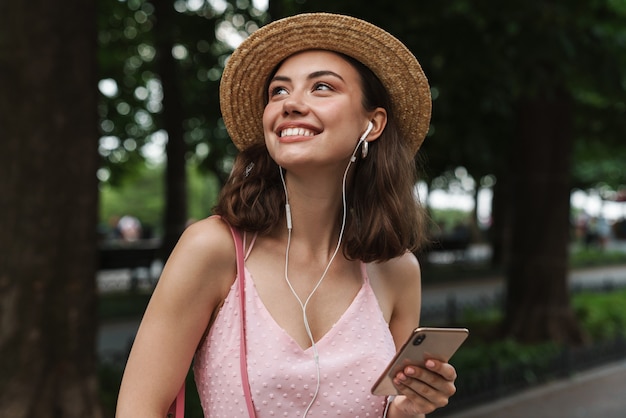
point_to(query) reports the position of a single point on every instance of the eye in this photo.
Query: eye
(322, 87)
(277, 91)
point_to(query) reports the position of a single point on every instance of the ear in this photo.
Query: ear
(379, 119)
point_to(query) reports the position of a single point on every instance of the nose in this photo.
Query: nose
(295, 104)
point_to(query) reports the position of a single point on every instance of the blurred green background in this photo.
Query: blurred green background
(109, 109)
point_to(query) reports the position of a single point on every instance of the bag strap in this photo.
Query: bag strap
(243, 361)
(177, 409)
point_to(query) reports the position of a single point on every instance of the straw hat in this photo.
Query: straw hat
(249, 67)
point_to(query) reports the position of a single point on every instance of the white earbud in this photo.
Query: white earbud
(361, 140)
(370, 126)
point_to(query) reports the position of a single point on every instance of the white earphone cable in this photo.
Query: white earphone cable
(341, 232)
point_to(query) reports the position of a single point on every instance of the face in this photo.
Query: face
(314, 113)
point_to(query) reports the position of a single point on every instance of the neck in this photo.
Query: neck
(316, 213)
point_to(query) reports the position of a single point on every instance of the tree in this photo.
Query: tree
(48, 163)
(175, 216)
(166, 59)
(537, 306)
(554, 54)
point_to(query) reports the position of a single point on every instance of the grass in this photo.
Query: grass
(595, 257)
(602, 317)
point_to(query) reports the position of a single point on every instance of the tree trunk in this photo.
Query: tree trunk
(172, 121)
(501, 222)
(48, 209)
(537, 303)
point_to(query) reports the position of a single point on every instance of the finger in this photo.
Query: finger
(427, 384)
(412, 402)
(446, 370)
(416, 399)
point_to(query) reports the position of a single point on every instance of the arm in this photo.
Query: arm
(423, 389)
(194, 282)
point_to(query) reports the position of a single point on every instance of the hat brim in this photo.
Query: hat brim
(242, 95)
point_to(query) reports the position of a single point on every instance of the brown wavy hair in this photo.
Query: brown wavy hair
(384, 218)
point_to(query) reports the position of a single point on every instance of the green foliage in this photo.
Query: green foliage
(598, 163)
(481, 319)
(203, 189)
(446, 219)
(193, 408)
(132, 114)
(110, 378)
(590, 257)
(602, 315)
(480, 355)
(482, 57)
(122, 305)
(126, 60)
(142, 196)
(485, 56)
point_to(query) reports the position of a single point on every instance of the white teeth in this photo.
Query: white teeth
(296, 132)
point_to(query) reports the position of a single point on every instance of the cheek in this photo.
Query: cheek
(268, 127)
(344, 113)
(269, 116)
(265, 118)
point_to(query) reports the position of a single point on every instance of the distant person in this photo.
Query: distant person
(580, 227)
(591, 232)
(328, 112)
(619, 229)
(129, 228)
(604, 232)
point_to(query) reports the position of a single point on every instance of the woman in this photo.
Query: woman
(328, 112)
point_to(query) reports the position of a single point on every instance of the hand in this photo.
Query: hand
(424, 389)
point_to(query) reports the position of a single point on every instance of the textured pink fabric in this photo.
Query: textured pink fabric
(282, 375)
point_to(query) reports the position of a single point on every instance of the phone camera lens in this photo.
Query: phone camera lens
(419, 339)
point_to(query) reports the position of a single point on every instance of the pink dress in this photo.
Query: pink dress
(282, 375)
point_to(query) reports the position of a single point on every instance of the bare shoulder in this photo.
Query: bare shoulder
(396, 283)
(204, 256)
(210, 236)
(400, 291)
(400, 272)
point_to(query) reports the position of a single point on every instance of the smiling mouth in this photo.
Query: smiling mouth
(296, 132)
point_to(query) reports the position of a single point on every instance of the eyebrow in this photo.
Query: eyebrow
(313, 75)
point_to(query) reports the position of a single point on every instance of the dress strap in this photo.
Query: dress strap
(249, 250)
(366, 278)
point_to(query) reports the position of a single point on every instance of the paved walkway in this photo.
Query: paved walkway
(597, 393)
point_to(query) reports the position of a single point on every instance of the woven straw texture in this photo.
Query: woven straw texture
(247, 70)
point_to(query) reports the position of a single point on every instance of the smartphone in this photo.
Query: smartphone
(423, 344)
